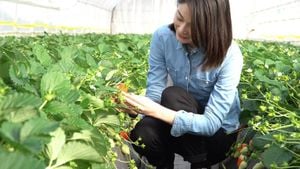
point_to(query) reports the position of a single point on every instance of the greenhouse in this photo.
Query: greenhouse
(149, 84)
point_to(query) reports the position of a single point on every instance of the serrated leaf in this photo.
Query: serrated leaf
(77, 151)
(110, 74)
(17, 160)
(103, 166)
(67, 65)
(53, 82)
(21, 114)
(75, 123)
(56, 144)
(269, 62)
(95, 138)
(68, 52)
(35, 144)
(95, 101)
(18, 100)
(259, 141)
(297, 66)
(11, 131)
(68, 96)
(275, 155)
(64, 167)
(36, 68)
(60, 109)
(107, 119)
(122, 46)
(258, 62)
(83, 135)
(91, 61)
(15, 76)
(31, 89)
(37, 126)
(100, 142)
(259, 75)
(103, 48)
(42, 55)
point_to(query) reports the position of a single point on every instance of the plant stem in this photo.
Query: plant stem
(43, 105)
(281, 127)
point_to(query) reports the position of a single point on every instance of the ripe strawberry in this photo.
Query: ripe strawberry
(122, 87)
(243, 165)
(240, 159)
(124, 135)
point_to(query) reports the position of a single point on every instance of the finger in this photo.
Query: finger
(127, 110)
(132, 102)
(131, 99)
(136, 98)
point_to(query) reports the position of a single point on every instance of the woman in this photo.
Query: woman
(197, 116)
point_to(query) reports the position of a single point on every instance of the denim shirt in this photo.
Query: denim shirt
(215, 89)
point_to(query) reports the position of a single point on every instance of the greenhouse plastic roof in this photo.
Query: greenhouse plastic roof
(102, 4)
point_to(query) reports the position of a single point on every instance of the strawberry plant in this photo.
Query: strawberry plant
(60, 105)
(56, 91)
(270, 88)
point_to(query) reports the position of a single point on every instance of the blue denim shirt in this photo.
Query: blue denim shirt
(215, 89)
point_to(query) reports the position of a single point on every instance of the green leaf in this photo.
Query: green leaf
(64, 167)
(36, 68)
(17, 160)
(61, 110)
(76, 123)
(11, 131)
(95, 138)
(275, 155)
(91, 61)
(107, 119)
(103, 166)
(35, 133)
(56, 144)
(122, 46)
(67, 66)
(258, 62)
(42, 55)
(54, 82)
(260, 141)
(18, 100)
(37, 126)
(17, 76)
(68, 96)
(21, 114)
(103, 48)
(265, 79)
(269, 62)
(110, 74)
(77, 151)
(93, 100)
(84, 135)
(297, 66)
(68, 52)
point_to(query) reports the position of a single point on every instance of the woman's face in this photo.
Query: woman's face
(182, 23)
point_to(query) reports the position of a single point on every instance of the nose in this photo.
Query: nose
(183, 29)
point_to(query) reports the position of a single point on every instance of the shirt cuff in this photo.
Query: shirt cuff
(180, 124)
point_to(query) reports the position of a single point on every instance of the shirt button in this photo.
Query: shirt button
(186, 78)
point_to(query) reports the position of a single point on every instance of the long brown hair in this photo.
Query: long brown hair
(211, 29)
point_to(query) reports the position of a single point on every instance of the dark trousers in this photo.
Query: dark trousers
(160, 146)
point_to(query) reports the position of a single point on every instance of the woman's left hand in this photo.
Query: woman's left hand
(142, 104)
(146, 106)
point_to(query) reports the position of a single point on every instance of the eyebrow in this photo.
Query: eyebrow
(180, 14)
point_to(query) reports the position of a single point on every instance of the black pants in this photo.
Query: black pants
(160, 146)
